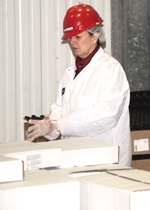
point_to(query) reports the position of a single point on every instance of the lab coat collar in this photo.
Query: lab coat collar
(97, 55)
(71, 69)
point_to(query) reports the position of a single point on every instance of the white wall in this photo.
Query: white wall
(33, 59)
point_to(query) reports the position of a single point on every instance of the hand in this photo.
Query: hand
(40, 127)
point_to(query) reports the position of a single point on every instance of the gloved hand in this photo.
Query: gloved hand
(40, 127)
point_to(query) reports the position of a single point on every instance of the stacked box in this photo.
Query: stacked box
(11, 169)
(141, 149)
(119, 190)
(140, 129)
(85, 151)
(62, 153)
(41, 190)
(34, 156)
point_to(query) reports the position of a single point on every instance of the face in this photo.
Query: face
(83, 44)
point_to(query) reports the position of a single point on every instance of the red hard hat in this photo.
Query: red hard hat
(80, 18)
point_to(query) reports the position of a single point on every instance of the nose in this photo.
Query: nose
(71, 40)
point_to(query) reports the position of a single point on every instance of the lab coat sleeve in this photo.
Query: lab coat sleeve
(54, 116)
(105, 112)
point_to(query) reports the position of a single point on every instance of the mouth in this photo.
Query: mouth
(74, 48)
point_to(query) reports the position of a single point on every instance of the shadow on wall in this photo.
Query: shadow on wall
(130, 40)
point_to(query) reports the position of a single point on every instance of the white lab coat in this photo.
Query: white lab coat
(95, 104)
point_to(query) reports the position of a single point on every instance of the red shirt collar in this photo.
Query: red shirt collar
(81, 63)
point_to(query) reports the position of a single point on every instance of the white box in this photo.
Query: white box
(35, 156)
(41, 189)
(85, 151)
(11, 169)
(110, 191)
(138, 175)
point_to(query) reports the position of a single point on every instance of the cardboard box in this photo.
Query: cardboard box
(33, 155)
(105, 187)
(11, 169)
(39, 139)
(85, 151)
(141, 164)
(119, 190)
(136, 175)
(41, 190)
(141, 149)
(140, 142)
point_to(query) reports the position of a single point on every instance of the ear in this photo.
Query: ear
(95, 38)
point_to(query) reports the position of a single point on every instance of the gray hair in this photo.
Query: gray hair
(98, 31)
